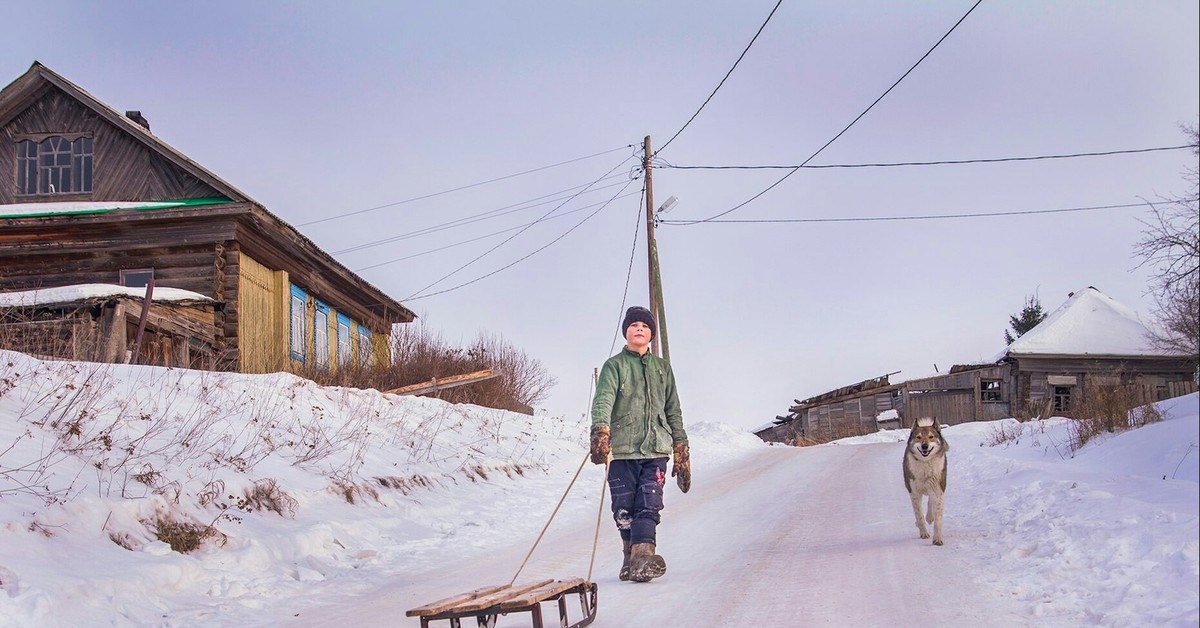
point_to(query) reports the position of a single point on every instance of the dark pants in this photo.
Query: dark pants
(637, 496)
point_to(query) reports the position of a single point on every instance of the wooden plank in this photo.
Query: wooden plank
(496, 598)
(441, 606)
(543, 592)
(445, 382)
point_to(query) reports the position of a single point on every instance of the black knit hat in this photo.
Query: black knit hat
(640, 314)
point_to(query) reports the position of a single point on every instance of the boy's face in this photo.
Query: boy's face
(638, 336)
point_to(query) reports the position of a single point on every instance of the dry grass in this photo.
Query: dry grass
(266, 495)
(183, 536)
(1110, 409)
(1006, 432)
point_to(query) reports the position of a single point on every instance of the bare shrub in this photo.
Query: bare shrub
(1006, 432)
(405, 485)
(420, 355)
(266, 495)
(805, 441)
(124, 539)
(1108, 409)
(182, 536)
(351, 491)
(1144, 415)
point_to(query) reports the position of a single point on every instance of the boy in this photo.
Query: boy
(637, 420)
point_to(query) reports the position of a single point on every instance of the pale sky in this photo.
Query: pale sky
(324, 112)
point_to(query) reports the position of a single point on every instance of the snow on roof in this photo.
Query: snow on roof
(1088, 323)
(68, 294)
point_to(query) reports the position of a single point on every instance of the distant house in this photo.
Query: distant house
(1090, 341)
(91, 196)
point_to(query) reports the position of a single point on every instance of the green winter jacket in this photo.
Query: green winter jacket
(636, 398)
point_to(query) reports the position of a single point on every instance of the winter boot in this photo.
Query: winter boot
(644, 564)
(625, 565)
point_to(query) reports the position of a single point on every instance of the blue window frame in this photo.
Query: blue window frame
(299, 325)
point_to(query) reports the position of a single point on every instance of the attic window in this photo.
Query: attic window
(54, 165)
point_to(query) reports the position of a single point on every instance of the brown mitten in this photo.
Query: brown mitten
(683, 466)
(601, 447)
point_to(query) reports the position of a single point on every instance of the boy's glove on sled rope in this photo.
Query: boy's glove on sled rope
(601, 445)
(683, 466)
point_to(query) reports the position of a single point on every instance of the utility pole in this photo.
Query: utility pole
(655, 345)
(656, 307)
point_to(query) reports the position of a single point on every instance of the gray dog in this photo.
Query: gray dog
(925, 474)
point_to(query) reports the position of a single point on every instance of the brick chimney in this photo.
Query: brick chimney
(137, 116)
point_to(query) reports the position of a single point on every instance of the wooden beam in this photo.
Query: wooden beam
(436, 384)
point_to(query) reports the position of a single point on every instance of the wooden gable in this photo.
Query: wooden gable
(134, 164)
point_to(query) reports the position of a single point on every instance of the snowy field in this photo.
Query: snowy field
(314, 504)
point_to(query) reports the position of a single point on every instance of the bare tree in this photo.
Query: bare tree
(1170, 245)
(524, 377)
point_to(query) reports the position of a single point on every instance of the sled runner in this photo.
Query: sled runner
(486, 604)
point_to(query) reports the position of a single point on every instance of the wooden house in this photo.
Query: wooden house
(1088, 343)
(1091, 341)
(90, 196)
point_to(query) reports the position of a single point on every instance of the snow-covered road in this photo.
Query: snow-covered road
(812, 536)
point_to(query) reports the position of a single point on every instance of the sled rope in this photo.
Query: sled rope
(599, 517)
(586, 457)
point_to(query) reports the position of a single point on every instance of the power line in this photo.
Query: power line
(727, 74)
(928, 163)
(843, 131)
(478, 238)
(637, 229)
(510, 238)
(487, 215)
(922, 217)
(458, 189)
(418, 295)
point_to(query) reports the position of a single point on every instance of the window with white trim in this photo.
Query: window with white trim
(321, 335)
(344, 325)
(364, 346)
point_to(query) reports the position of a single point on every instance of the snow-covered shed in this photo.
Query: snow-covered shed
(111, 323)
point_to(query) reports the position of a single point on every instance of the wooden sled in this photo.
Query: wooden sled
(486, 604)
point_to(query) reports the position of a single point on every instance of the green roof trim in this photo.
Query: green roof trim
(40, 210)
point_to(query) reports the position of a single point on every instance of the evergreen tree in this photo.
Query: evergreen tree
(1031, 315)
